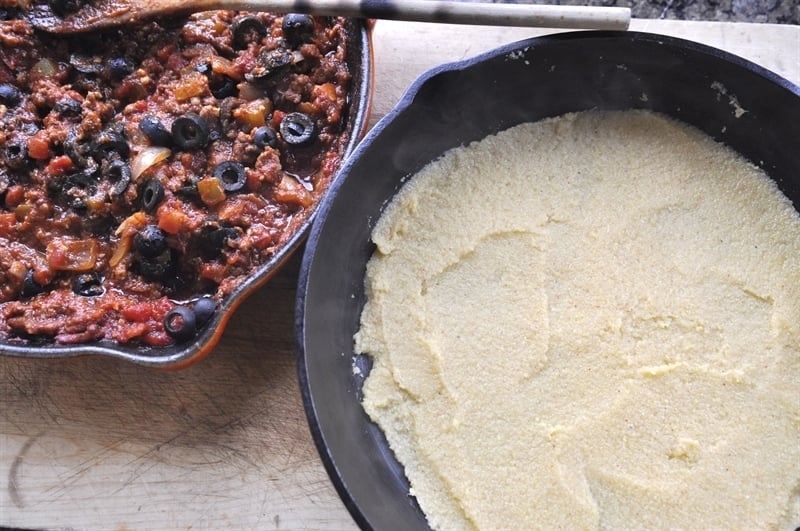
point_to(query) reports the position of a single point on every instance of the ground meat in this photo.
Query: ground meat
(154, 166)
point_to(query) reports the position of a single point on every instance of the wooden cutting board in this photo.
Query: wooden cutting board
(100, 444)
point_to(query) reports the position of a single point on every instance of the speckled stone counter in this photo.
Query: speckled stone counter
(762, 11)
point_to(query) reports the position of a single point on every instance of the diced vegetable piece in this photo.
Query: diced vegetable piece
(72, 255)
(211, 191)
(172, 221)
(38, 147)
(193, 84)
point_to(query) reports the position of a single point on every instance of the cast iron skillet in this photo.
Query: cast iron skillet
(359, 58)
(458, 103)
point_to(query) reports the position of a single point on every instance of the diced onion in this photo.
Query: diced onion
(146, 158)
(250, 92)
(211, 191)
(44, 68)
(131, 224)
(220, 65)
(72, 255)
(191, 85)
(121, 250)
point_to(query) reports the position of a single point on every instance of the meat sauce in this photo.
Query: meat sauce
(146, 172)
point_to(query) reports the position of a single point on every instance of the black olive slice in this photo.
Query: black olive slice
(10, 96)
(150, 241)
(213, 238)
(268, 64)
(16, 155)
(190, 131)
(84, 177)
(109, 144)
(76, 193)
(204, 68)
(297, 27)
(87, 64)
(30, 287)
(188, 191)
(265, 136)
(222, 86)
(5, 181)
(119, 67)
(297, 128)
(180, 323)
(247, 29)
(162, 268)
(204, 309)
(68, 107)
(152, 194)
(231, 174)
(74, 189)
(155, 131)
(75, 148)
(88, 284)
(118, 172)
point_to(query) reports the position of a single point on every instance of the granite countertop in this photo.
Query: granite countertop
(761, 11)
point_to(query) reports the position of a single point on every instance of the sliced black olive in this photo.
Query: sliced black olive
(118, 172)
(180, 323)
(110, 143)
(247, 29)
(65, 7)
(203, 68)
(54, 184)
(214, 135)
(68, 107)
(150, 241)
(30, 287)
(297, 128)
(76, 197)
(162, 268)
(155, 131)
(75, 148)
(231, 174)
(190, 131)
(297, 27)
(10, 96)
(76, 188)
(222, 86)
(119, 67)
(87, 64)
(152, 194)
(214, 238)
(88, 284)
(188, 191)
(16, 155)
(85, 176)
(265, 136)
(268, 64)
(204, 309)
(5, 181)
(29, 128)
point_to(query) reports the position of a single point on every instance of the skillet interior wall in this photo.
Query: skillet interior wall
(730, 101)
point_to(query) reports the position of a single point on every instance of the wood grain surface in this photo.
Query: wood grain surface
(94, 443)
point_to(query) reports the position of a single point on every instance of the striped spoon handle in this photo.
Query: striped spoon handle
(98, 14)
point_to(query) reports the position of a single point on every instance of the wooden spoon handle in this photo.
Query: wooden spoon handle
(451, 12)
(110, 13)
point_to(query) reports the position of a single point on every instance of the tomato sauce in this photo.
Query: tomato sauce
(146, 172)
